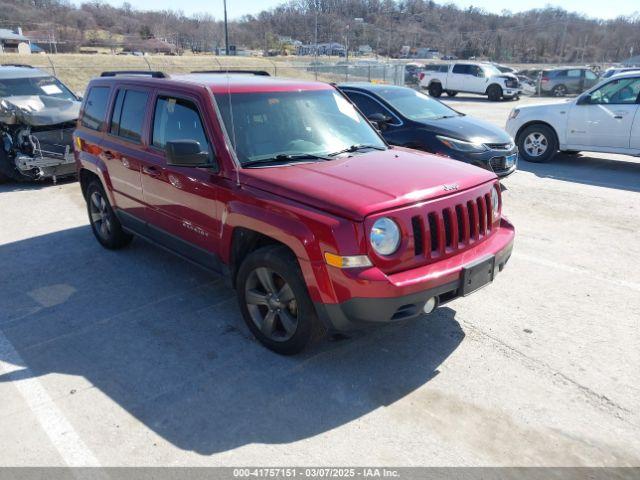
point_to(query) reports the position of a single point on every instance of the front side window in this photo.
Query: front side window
(177, 119)
(366, 104)
(128, 114)
(415, 105)
(624, 91)
(95, 108)
(316, 122)
(590, 75)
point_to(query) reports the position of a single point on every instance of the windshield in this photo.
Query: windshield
(35, 86)
(415, 105)
(295, 123)
(490, 71)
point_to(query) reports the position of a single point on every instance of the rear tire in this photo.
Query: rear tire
(274, 300)
(104, 222)
(451, 93)
(559, 91)
(495, 93)
(435, 89)
(537, 143)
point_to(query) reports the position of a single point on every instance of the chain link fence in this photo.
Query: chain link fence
(75, 70)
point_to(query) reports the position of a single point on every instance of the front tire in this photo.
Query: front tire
(435, 89)
(537, 143)
(104, 222)
(495, 93)
(274, 300)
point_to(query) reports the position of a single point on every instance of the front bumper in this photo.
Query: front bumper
(512, 92)
(495, 160)
(404, 295)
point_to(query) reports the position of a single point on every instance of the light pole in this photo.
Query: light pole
(226, 30)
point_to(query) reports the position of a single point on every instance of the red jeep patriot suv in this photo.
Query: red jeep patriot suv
(287, 190)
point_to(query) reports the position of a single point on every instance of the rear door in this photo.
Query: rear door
(607, 120)
(458, 77)
(123, 149)
(181, 201)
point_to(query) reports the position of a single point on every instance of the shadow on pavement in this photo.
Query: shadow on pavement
(165, 341)
(13, 186)
(582, 168)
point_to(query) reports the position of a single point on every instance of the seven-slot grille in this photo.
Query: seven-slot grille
(452, 229)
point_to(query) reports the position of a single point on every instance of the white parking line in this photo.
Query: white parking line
(64, 438)
(582, 271)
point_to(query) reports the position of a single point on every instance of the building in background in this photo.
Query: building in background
(14, 42)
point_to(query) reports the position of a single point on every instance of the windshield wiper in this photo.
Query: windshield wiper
(284, 158)
(356, 148)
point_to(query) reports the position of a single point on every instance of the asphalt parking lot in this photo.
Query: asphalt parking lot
(139, 358)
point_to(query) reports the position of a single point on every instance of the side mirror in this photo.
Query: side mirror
(584, 99)
(379, 119)
(187, 153)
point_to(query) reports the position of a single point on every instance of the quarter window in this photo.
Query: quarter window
(177, 119)
(128, 114)
(95, 108)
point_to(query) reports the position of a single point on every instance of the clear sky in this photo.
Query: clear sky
(237, 8)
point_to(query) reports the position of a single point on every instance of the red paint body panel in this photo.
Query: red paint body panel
(312, 208)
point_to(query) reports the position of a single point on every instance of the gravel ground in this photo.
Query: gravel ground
(139, 358)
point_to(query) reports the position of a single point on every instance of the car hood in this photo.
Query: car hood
(469, 129)
(356, 186)
(546, 107)
(38, 110)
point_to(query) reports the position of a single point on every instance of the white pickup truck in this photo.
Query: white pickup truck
(469, 77)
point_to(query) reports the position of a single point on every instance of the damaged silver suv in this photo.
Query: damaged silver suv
(38, 114)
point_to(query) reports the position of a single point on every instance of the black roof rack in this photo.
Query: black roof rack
(146, 73)
(261, 73)
(17, 65)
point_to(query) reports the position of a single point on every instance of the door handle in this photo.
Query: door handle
(619, 115)
(151, 171)
(107, 154)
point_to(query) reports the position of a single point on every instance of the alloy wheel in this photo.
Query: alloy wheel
(100, 215)
(535, 144)
(271, 304)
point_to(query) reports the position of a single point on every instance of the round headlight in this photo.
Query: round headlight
(495, 202)
(385, 236)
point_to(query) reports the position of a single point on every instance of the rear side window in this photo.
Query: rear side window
(177, 119)
(128, 114)
(95, 108)
(460, 68)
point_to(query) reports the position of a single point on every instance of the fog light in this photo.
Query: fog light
(430, 305)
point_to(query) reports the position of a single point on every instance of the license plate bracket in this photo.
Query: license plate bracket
(510, 160)
(478, 274)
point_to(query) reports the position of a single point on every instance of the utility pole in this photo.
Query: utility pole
(226, 30)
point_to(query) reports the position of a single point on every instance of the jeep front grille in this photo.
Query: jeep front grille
(452, 229)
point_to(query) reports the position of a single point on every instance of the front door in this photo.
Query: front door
(605, 121)
(181, 201)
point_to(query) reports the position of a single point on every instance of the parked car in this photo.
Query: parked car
(563, 81)
(603, 119)
(480, 78)
(37, 117)
(610, 72)
(411, 119)
(505, 69)
(284, 188)
(411, 73)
